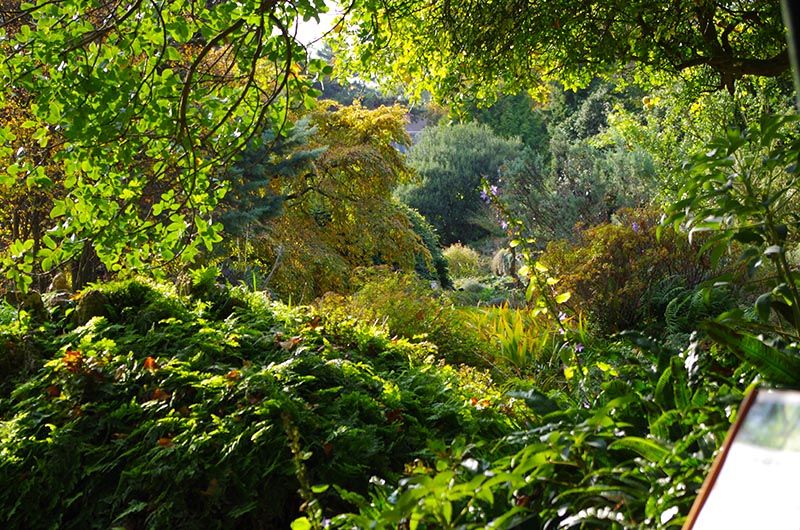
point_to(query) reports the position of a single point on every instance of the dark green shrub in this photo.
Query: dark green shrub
(162, 416)
(630, 453)
(434, 268)
(450, 161)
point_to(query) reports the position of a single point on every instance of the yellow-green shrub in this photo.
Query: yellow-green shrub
(409, 308)
(462, 261)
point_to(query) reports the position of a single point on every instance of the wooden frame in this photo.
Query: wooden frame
(719, 461)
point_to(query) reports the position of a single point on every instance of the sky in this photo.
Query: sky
(310, 32)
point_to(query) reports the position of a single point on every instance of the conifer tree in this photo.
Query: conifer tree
(254, 195)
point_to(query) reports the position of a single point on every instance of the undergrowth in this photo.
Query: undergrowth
(169, 412)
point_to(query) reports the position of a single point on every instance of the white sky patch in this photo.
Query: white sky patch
(310, 33)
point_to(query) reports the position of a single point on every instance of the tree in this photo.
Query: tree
(477, 47)
(516, 116)
(339, 214)
(252, 198)
(141, 107)
(583, 176)
(451, 160)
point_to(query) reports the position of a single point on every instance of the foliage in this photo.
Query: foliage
(687, 308)
(475, 50)
(586, 460)
(436, 268)
(462, 261)
(162, 414)
(340, 214)
(520, 339)
(516, 116)
(25, 200)
(613, 269)
(488, 290)
(450, 161)
(410, 309)
(139, 106)
(671, 124)
(743, 190)
(577, 179)
(251, 201)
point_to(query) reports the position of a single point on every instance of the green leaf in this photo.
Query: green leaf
(762, 305)
(648, 449)
(680, 383)
(301, 524)
(537, 401)
(563, 297)
(661, 394)
(773, 364)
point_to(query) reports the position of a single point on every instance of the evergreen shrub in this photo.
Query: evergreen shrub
(164, 414)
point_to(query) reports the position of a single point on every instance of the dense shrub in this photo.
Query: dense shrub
(199, 422)
(613, 268)
(463, 261)
(433, 267)
(410, 309)
(626, 444)
(451, 160)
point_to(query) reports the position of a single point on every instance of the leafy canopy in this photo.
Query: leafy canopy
(476, 47)
(139, 104)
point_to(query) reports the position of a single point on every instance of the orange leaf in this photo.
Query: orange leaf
(150, 364)
(233, 375)
(165, 442)
(291, 343)
(73, 360)
(53, 391)
(160, 395)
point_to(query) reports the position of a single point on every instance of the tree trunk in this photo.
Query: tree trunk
(86, 269)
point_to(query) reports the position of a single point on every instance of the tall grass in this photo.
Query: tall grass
(519, 341)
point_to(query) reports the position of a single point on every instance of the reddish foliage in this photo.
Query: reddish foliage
(150, 364)
(73, 360)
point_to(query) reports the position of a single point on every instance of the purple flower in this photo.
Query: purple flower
(503, 224)
(578, 348)
(493, 189)
(485, 196)
(562, 316)
(635, 227)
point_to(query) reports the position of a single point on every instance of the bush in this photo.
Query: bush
(434, 268)
(598, 454)
(199, 420)
(451, 160)
(462, 261)
(519, 340)
(613, 268)
(409, 308)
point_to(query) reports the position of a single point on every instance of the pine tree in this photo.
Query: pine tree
(254, 195)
